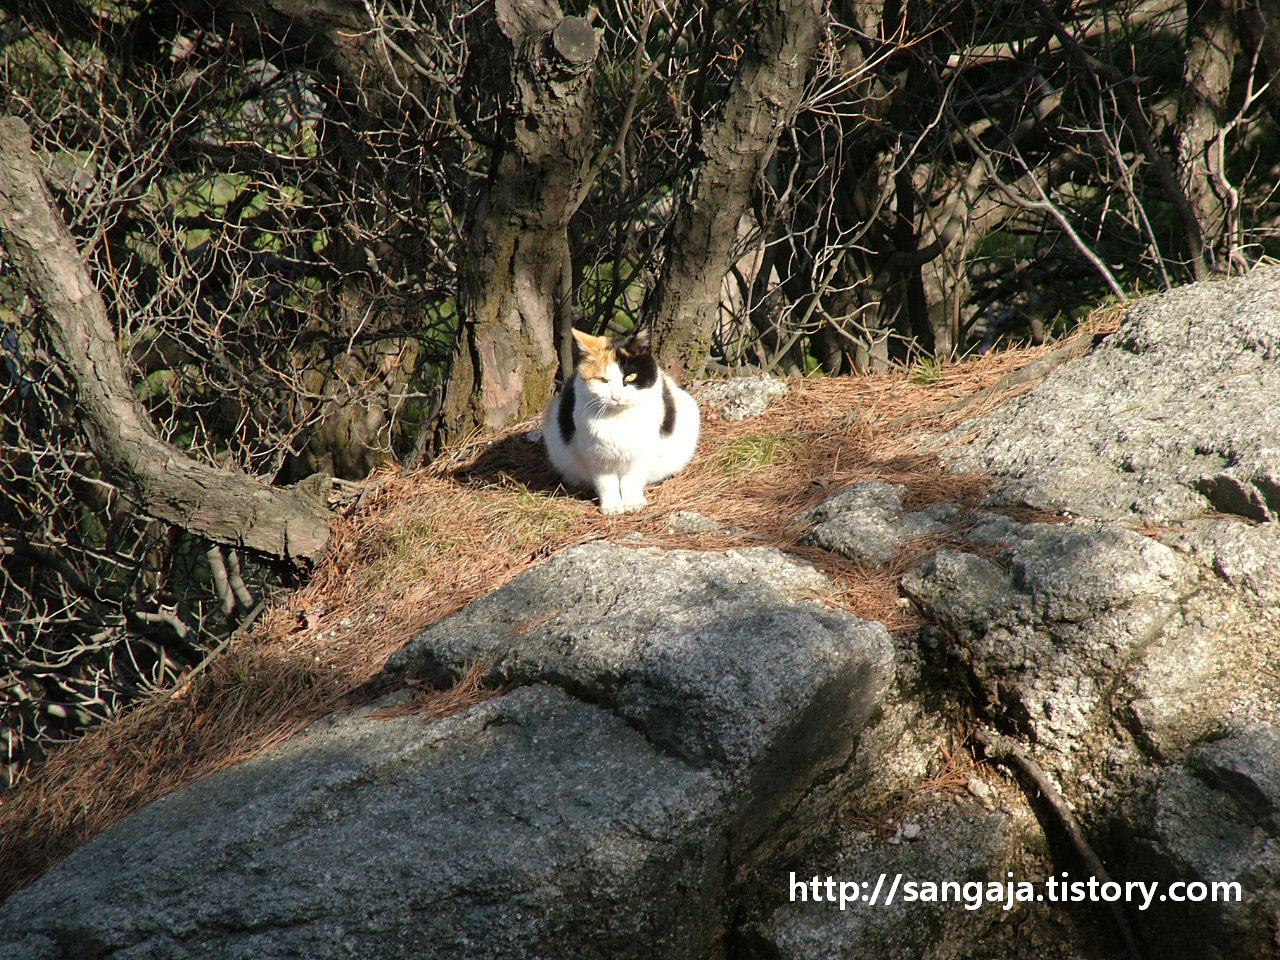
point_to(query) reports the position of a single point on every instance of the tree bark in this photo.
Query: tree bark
(765, 96)
(517, 244)
(158, 478)
(1202, 112)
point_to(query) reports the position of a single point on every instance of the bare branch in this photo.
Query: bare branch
(1193, 234)
(225, 507)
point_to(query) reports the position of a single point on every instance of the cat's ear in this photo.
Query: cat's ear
(589, 344)
(635, 345)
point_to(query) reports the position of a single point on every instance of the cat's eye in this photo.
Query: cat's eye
(600, 379)
(628, 378)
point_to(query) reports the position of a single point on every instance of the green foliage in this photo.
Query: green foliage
(926, 370)
(752, 452)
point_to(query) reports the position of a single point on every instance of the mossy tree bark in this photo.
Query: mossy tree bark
(159, 479)
(517, 243)
(735, 149)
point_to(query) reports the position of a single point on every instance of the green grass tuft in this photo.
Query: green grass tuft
(925, 371)
(752, 452)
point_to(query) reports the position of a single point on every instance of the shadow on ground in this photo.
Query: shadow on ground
(514, 457)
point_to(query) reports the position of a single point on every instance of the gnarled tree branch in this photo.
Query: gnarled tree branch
(162, 481)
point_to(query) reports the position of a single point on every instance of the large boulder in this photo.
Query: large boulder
(1048, 618)
(725, 659)
(918, 892)
(527, 822)
(1113, 604)
(669, 708)
(1214, 828)
(1173, 416)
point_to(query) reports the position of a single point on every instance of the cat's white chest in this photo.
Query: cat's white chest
(623, 438)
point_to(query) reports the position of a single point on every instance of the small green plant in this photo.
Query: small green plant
(925, 371)
(752, 452)
(531, 516)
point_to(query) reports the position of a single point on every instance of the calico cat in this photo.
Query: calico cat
(620, 422)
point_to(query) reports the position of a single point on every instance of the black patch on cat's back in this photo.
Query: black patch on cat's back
(637, 360)
(564, 416)
(668, 409)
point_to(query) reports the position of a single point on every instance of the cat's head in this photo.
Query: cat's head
(616, 372)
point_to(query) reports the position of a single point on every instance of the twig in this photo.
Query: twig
(199, 667)
(1140, 129)
(1009, 752)
(237, 581)
(169, 617)
(221, 580)
(1043, 204)
(624, 126)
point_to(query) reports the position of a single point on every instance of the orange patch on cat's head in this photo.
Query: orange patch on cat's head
(595, 355)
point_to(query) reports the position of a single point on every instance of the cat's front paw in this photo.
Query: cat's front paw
(612, 508)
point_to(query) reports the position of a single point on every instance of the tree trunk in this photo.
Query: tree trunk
(163, 482)
(1202, 111)
(517, 245)
(684, 304)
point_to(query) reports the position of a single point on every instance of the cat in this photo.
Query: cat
(619, 423)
